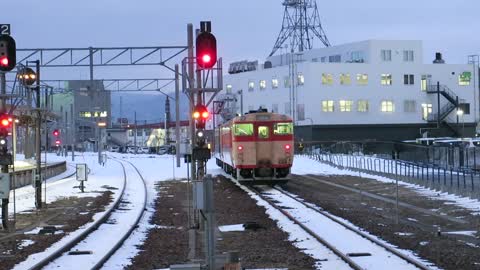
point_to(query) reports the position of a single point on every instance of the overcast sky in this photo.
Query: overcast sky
(245, 29)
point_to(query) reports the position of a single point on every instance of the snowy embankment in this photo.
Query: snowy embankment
(305, 165)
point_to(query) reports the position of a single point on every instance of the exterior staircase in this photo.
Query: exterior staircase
(445, 110)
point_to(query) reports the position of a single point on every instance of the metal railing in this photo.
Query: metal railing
(464, 182)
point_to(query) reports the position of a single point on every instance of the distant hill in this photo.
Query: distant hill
(149, 106)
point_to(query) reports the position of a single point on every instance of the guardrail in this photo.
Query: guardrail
(464, 182)
(24, 177)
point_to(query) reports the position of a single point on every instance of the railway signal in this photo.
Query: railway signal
(8, 53)
(56, 132)
(206, 49)
(27, 76)
(200, 115)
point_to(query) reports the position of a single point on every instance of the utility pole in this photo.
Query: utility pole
(191, 84)
(73, 132)
(135, 133)
(177, 115)
(38, 155)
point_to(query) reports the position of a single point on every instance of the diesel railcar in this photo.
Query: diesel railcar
(256, 148)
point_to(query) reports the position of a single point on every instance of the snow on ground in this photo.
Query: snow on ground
(100, 177)
(232, 228)
(60, 187)
(304, 165)
(154, 168)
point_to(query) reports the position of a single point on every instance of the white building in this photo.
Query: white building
(375, 89)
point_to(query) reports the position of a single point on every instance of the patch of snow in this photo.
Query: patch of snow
(467, 233)
(232, 228)
(404, 234)
(25, 243)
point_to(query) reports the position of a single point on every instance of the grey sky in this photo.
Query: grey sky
(245, 29)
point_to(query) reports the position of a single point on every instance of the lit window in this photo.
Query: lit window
(362, 79)
(86, 114)
(300, 79)
(251, 86)
(386, 79)
(274, 83)
(327, 79)
(410, 106)
(345, 79)
(386, 55)
(346, 105)
(103, 114)
(408, 56)
(427, 109)
(408, 79)
(387, 106)
(283, 129)
(229, 88)
(286, 82)
(362, 106)
(243, 129)
(263, 132)
(263, 84)
(464, 78)
(425, 82)
(327, 106)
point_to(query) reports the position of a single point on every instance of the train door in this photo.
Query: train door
(264, 146)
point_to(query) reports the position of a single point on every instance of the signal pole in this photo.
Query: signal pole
(38, 155)
(8, 55)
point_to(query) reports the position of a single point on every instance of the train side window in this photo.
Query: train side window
(283, 129)
(243, 129)
(263, 132)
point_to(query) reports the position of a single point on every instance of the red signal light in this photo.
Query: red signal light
(5, 123)
(58, 142)
(4, 61)
(287, 147)
(205, 114)
(56, 132)
(206, 58)
(240, 148)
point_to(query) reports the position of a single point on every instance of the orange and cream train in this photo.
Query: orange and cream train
(256, 148)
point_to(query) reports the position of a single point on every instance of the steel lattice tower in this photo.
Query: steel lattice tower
(301, 24)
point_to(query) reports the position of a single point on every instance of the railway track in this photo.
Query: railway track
(91, 248)
(356, 248)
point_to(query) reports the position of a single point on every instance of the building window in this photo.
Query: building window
(335, 58)
(323, 59)
(345, 105)
(386, 79)
(300, 79)
(464, 107)
(287, 108)
(409, 106)
(274, 83)
(362, 106)
(274, 108)
(427, 109)
(345, 79)
(251, 86)
(425, 82)
(229, 88)
(387, 106)
(357, 57)
(464, 78)
(408, 56)
(85, 114)
(327, 79)
(386, 55)
(286, 82)
(327, 106)
(408, 79)
(362, 79)
(300, 112)
(263, 84)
